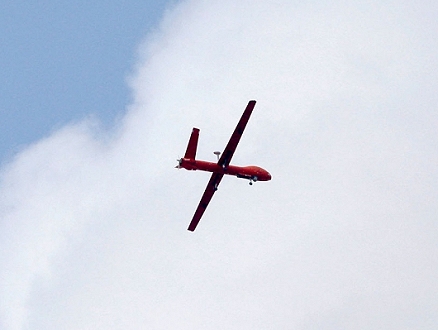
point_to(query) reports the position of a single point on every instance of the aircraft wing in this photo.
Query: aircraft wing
(228, 152)
(205, 199)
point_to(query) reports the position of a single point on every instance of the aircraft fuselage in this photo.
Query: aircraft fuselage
(251, 172)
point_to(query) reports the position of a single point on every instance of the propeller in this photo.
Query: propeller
(179, 160)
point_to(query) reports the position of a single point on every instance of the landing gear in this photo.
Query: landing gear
(251, 179)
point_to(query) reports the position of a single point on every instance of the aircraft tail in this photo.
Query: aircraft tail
(193, 144)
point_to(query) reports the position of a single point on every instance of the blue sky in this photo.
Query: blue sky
(64, 60)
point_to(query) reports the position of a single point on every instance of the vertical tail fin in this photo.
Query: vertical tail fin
(193, 144)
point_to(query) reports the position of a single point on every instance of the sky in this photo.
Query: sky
(93, 214)
(66, 60)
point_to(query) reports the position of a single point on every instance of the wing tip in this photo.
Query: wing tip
(192, 226)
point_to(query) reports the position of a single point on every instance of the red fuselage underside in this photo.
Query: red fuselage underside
(249, 172)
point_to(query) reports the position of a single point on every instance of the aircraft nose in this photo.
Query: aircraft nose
(267, 175)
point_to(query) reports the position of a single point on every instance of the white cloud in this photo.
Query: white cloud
(93, 229)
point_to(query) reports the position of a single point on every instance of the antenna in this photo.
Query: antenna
(217, 153)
